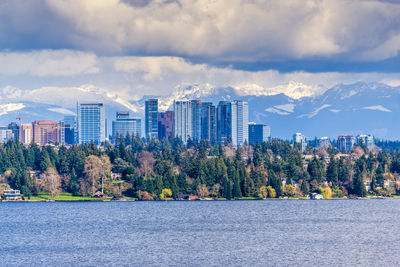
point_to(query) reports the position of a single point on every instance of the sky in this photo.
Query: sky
(125, 49)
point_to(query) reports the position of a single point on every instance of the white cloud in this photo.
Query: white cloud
(48, 63)
(235, 29)
(378, 107)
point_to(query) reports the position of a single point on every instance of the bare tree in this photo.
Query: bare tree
(51, 181)
(92, 171)
(146, 161)
(105, 169)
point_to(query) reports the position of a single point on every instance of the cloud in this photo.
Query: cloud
(48, 63)
(225, 31)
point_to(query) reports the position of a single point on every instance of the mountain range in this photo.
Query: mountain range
(360, 108)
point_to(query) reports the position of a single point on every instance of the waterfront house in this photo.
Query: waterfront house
(12, 194)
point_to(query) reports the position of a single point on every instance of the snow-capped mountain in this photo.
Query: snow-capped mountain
(344, 109)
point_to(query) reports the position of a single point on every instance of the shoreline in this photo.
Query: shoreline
(174, 200)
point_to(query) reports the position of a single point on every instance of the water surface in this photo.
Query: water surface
(201, 233)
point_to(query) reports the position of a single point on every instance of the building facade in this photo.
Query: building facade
(208, 122)
(165, 124)
(26, 134)
(69, 130)
(259, 133)
(224, 122)
(345, 143)
(13, 126)
(151, 118)
(5, 134)
(366, 139)
(183, 120)
(45, 132)
(299, 138)
(91, 123)
(242, 124)
(232, 122)
(196, 119)
(124, 125)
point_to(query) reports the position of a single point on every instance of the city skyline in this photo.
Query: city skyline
(41, 63)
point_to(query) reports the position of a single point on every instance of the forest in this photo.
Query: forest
(168, 169)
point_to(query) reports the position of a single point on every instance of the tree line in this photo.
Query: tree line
(169, 168)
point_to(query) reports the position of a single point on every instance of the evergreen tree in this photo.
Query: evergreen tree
(304, 187)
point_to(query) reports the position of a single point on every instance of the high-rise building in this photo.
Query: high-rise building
(242, 124)
(183, 120)
(91, 123)
(323, 141)
(345, 143)
(26, 134)
(208, 122)
(124, 125)
(196, 119)
(70, 133)
(259, 133)
(45, 132)
(5, 134)
(13, 126)
(224, 122)
(366, 139)
(232, 122)
(165, 124)
(299, 138)
(151, 118)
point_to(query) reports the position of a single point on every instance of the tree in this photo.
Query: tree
(202, 191)
(263, 192)
(289, 190)
(332, 172)
(166, 192)
(227, 189)
(304, 188)
(358, 185)
(51, 182)
(326, 192)
(215, 190)
(271, 192)
(93, 172)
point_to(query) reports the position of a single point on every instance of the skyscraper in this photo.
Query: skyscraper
(242, 124)
(224, 121)
(91, 123)
(151, 118)
(208, 122)
(183, 120)
(124, 125)
(232, 122)
(45, 132)
(5, 134)
(299, 138)
(196, 119)
(259, 133)
(165, 124)
(345, 143)
(70, 129)
(26, 134)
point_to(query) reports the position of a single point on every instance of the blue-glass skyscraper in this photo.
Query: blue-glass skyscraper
(259, 133)
(232, 122)
(124, 125)
(196, 119)
(91, 123)
(70, 129)
(208, 122)
(151, 118)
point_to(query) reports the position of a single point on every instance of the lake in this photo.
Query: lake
(201, 233)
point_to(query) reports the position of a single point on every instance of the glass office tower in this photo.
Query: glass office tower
(151, 118)
(124, 125)
(91, 123)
